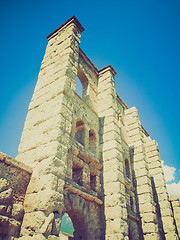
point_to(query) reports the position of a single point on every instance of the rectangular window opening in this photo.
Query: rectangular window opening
(93, 182)
(77, 173)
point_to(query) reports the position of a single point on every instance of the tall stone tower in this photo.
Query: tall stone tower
(90, 155)
(60, 141)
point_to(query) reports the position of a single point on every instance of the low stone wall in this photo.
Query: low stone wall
(14, 179)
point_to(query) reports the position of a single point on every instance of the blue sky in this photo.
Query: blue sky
(140, 39)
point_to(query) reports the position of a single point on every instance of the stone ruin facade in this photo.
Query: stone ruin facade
(86, 156)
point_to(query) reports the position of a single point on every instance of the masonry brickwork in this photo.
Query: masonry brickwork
(86, 156)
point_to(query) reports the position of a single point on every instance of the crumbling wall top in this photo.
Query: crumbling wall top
(14, 163)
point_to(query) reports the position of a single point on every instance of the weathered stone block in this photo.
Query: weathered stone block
(177, 211)
(156, 164)
(141, 165)
(113, 176)
(46, 201)
(164, 204)
(166, 211)
(113, 188)
(116, 199)
(32, 222)
(139, 157)
(149, 217)
(6, 197)
(171, 236)
(114, 226)
(9, 226)
(134, 138)
(145, 198)
(156, 171)
(142, 189)
(152, 154)
(147, 208)
(143, 180)
(44, 151)
(153, 149)
(150, 227)
(175, 203)
(46, 228)
(110, 145)
(17, 211)
(112, 164)
(3, 184)
(132, 126)
(168, 225)
(113, 212)
(48, 181)
(111, 154)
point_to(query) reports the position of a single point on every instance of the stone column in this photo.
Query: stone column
(175, 204)
(45, 138)
(112, 158)
(146, 205)
(163, 208)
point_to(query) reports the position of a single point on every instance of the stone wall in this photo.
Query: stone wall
(14, 179)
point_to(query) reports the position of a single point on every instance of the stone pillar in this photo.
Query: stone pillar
(112, 157)
(163, 208)
(146, 205)
(175, 204)
(45, 138)
(164, 212)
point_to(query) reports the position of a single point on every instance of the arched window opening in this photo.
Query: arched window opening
(77, 174)
(93, 182)
(132, 204)
(66, 229)
(127, 167)
(81, 83)
(80, 132)
(79, 87)
(92, 141)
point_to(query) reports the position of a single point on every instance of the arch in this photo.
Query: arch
(92, 141)
(82, 80)
(74, 223)
(79, 224)
(80, 131)
(78, 210)
(127, 168)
